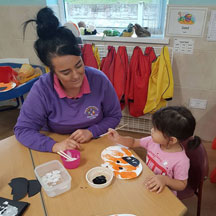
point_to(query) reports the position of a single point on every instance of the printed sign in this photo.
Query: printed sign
(183, 21)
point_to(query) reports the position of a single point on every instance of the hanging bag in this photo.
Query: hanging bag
(161, 83)
(120, 74)
(108, 63)
(88, 56)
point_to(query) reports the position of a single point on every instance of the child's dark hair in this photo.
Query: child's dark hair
(53, 39)
(177, 121)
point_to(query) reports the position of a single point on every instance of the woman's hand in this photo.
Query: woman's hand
(81, 135)
(113, 135)
(65, 144)
(156, 183)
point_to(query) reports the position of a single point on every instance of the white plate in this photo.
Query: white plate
(13, 86)
(113, 158)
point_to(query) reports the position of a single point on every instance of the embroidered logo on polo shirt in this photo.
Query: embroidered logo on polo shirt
(91, 112)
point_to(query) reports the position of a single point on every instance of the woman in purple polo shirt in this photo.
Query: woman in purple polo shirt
(71, 99)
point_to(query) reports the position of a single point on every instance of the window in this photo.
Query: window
(117, 14)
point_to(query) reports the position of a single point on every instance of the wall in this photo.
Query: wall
(12, 15)
(195, 76)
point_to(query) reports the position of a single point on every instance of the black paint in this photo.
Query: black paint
(99, 180)
(132, 161)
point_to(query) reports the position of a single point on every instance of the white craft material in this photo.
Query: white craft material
(8, 210)
(53, 178)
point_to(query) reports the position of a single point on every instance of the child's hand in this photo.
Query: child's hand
(156, 183)
(113, 135)
(126, 141)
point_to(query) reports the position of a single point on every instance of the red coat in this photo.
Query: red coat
(108, 63)
(120, 74)
(88, 56)
(138, 78)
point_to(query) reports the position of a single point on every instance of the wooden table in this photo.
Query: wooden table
(15, 161)
(122, 196)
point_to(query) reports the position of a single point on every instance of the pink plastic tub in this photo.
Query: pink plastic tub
(71, 164)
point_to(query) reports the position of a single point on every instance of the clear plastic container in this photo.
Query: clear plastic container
(53, 177)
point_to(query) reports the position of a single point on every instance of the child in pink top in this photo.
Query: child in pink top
(166, 156)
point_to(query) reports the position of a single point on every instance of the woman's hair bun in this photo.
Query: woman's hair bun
(47, 23)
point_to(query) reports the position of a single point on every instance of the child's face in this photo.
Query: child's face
(158, 137)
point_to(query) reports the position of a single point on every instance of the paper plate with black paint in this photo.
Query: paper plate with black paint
(122, 162)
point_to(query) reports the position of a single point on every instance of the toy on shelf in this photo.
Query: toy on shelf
(90, 30)
(82, 27)
(112, 32)
(87, 29)
(81, 24)
(73, 27)
(75, 30)
(128, 32)
(141, 31)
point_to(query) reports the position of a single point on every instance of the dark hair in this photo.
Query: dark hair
(176, 121)
(53, 39)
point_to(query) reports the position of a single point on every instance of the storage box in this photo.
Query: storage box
(53, 177)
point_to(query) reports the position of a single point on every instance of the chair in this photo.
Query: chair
(19, 91)
(213, 172)
(198, 172)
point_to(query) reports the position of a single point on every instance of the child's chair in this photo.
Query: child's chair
(198, 172)
(213, 172)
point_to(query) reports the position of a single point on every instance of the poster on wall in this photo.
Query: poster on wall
(183, 45)
(211, 36)
(186, 21)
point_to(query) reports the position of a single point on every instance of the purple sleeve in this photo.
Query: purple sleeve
(30, 121)
(111, 112)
